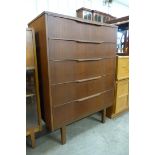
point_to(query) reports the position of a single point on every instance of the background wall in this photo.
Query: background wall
(118, 8)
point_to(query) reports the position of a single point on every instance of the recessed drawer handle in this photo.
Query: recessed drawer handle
(94, 59)
(80, 60)
(79, 41)
(89, 97)
(92, 42)
(88, 79)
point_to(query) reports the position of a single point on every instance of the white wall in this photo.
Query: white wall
(69, 7)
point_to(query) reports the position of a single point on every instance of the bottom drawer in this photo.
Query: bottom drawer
(70, 112)
(121, 103)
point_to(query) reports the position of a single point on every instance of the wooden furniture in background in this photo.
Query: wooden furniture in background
(122, 34)
(94, 15)
(121, 87)
(84, 13)
(77, 67)
(33, 113)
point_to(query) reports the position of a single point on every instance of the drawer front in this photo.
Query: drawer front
(68, 71)
(71, 29)
(61, 49)
(63, 93)
(121, 103)
(68, 113)
(122, 68)
(122, 87)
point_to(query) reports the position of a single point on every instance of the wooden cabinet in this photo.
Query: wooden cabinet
(76, 61)
(122, 34)
(84, 13)
(94, 15)
(121, 87)
(33, 114)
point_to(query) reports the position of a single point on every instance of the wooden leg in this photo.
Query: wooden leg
(32, 135)
(63, 135)
(103, 115)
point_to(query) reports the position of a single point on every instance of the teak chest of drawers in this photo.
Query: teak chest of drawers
(76, 61)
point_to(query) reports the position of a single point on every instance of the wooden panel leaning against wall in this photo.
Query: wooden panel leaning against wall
(33, 114)
(67, 61)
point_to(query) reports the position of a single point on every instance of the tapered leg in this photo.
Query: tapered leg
(103, 114)
(63, 134)
(32, 136)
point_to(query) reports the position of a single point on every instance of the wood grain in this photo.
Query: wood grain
(40, 29)
(33, 112)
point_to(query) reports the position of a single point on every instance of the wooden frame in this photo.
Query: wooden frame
(33, 66)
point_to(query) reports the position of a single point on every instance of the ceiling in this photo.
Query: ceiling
(123, 2)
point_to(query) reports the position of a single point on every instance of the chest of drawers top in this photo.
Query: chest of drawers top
(72, 18)
(61, 27)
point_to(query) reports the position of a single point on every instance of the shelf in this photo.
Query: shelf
(30, 95)
(30, 68)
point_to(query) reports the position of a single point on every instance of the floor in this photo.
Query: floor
(87, 136)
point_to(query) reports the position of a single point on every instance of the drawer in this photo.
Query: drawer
(62, 49)
(68, 71)
(67, 92)
(121, 103)
(70, 112)
(72, 29)
(122, 87)
(122, 67)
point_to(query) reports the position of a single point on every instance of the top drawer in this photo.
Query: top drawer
(62, 49)
(122, 67)
(71, 29)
